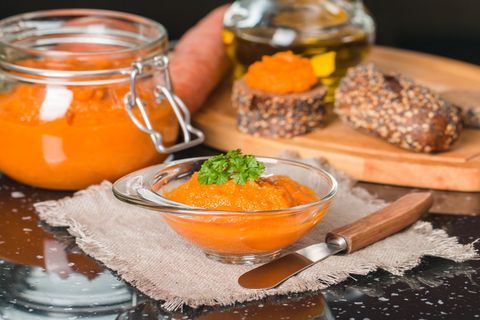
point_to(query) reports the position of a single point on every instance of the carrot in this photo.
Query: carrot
(198, 62)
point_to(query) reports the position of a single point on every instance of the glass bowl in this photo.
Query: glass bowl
(231, 236)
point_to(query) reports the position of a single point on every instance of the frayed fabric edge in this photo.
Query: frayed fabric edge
(446, 247)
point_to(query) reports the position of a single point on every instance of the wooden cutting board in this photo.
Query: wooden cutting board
(361, 156)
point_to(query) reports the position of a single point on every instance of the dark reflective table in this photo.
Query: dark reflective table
(43, 275)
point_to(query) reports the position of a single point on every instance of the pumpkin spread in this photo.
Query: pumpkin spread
(69, 137)
(232, 182)
(239, 187)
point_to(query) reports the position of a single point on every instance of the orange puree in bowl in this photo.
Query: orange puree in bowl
(244, 233)
(69, 137)
(271, 193)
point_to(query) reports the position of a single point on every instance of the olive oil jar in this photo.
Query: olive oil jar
(333, 34)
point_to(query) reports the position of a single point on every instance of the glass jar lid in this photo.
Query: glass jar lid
(285, 22)
(84, 38)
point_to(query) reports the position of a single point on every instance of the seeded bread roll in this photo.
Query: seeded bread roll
(397, 110)
(278, 115)
(469, 104)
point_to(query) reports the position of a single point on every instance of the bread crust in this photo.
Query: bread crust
(469, 104)
(278, 115)
(397, 110)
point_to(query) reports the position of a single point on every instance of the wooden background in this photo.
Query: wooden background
(361, 156)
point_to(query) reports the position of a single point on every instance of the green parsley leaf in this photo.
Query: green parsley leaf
(232, 165)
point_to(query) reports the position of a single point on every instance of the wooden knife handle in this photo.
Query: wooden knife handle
(384, 222)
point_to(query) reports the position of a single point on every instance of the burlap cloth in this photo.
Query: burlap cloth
(144, 251)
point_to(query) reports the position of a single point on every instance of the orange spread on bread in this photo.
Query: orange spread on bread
(281, 73)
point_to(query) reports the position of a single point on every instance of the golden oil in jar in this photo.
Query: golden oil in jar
(330, 56)
(334, 34)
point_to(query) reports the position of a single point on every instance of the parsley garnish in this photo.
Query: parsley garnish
(232, 165)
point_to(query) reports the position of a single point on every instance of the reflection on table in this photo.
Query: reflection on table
(43, 275)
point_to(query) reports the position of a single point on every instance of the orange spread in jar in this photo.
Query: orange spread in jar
(281, 73)
(69, 137)
(246, 232)
(271, 193)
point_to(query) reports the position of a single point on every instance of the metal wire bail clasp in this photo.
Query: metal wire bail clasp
(191, 135)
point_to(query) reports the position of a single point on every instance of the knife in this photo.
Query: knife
(347, 239)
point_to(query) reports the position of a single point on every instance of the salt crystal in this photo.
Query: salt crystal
(17, 194)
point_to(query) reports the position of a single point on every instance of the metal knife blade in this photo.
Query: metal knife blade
(274, 273)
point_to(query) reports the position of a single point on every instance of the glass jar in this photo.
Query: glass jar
(85, 95)
(333, 34)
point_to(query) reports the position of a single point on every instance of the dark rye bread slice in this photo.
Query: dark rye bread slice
(278, 115)
(469, 104)
(397, 110)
